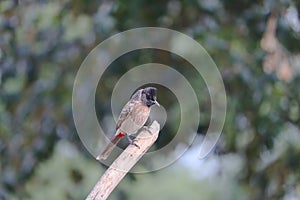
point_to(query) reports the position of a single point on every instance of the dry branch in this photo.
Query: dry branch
(120, 167)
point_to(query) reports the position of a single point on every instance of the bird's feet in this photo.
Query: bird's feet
(146, 128)
(132, 142)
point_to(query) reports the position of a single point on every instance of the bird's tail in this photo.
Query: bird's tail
(110, 146)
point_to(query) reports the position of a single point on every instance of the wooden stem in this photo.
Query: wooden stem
(120, 167)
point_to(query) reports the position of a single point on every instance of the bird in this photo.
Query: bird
(132, 118)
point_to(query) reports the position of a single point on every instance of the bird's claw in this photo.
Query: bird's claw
(146, 128)
(132, 142)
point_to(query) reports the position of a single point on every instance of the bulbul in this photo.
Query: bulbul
(132, 117)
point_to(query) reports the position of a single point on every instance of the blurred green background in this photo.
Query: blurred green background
(255, 45)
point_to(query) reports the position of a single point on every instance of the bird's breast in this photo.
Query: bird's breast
(136, 119)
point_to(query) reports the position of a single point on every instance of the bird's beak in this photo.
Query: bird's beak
(156, 103)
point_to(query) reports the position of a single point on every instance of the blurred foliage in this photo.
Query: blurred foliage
(42, 44)
(67, 166)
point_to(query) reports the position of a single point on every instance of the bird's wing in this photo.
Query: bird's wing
(127, 109)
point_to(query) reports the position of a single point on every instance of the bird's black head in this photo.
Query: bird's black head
(149, 96)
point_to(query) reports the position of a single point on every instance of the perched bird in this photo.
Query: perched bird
(132, 117)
